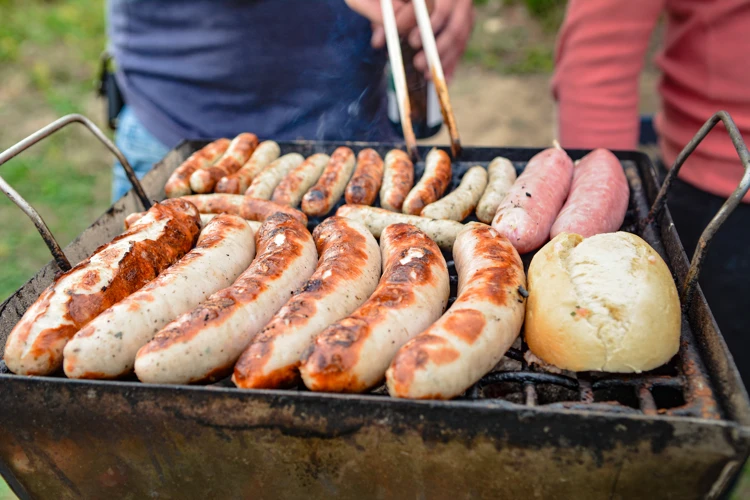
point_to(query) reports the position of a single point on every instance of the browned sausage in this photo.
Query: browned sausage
(238, 182)
(435, 180)
(242, 146)
(322, 197)
(353, 354)
(244, 206)
(365, 183)
(347, 273)
(179, 182)
(204, 344)
(398, 179)
(115, 270)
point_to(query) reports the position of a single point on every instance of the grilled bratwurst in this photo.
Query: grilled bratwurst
(204, 344)
(115, 270)
(347, 273)
(353, 354)
(106, 347)
(480, 326)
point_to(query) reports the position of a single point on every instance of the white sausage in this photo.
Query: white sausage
(502, 175)
(442, 232)
(459, 204)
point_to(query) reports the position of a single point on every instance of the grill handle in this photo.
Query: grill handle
(43, 133)
(691, 280)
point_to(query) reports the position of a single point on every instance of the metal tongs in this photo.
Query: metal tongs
(399, 75)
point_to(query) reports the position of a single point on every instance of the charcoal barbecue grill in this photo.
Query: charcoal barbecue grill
(680, 431)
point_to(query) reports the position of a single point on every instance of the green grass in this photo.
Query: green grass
(49, 53)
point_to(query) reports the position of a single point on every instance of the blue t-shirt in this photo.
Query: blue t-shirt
(284, 69)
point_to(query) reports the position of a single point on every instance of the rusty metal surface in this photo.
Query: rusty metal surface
(680, 430)
(122, 440)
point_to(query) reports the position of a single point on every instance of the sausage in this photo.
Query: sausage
(365, 183)
(353, 354)
(474, 334)
(266, 181)
(205, 219)
(292, 187)
(347, 273)
(435, 180)
(526, 214)
(460, 203)
(598, 198)
(106, 347)
(204, 344)
(398, 179)
(178, 183)
(242, 146)
(502, 175)
(238, 182)
(114, 271)
(245, 207)
(322, 197)
(442, 232)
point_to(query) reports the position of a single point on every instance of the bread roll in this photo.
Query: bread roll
(605, 303)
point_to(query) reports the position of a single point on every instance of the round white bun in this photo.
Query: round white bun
(604, 303)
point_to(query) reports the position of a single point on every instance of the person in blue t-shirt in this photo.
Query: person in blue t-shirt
(297, 69)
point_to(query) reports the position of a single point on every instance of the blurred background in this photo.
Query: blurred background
(49, 59)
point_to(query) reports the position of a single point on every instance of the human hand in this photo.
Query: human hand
(452, 22)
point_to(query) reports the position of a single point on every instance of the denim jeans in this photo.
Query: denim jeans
(140, 148)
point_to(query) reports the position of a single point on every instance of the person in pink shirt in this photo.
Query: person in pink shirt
(704, 62)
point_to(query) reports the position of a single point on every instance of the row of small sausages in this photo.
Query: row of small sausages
(551, 196)
(273, 307)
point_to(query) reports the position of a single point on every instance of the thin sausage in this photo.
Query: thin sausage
(242, 146)
(502, 175)
(324, 195)
(474, 334)
(347, 273)
(435, 180)
(460, 203)
(526, 214)
(398, 179)
(353, 354)
(237, 204)
(292, 187)
(179, 182)
(266, 181)
(598, 197)
(115, 270)
(204, 344)
(442, 232)
(238, 182)
(106, 347)
(365, 183)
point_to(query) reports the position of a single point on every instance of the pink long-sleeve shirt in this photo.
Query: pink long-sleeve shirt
(705, 63)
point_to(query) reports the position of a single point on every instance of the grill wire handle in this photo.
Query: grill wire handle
(691, 280)
(43, 133)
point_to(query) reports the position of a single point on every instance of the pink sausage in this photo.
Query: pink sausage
(598, 197)
(528, 211)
